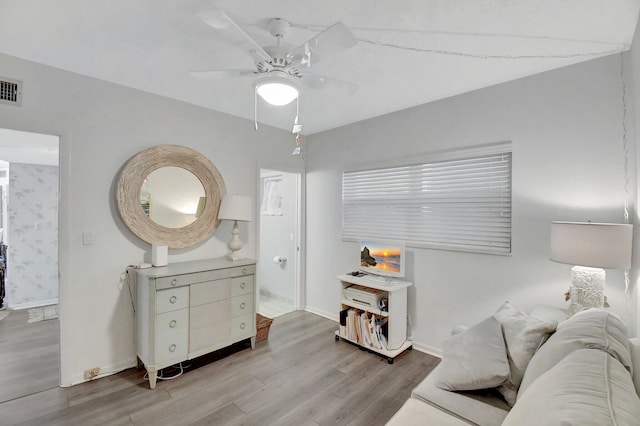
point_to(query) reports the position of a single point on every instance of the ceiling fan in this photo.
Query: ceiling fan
(279, 73)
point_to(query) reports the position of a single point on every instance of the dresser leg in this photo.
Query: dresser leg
(253, 342)
(153, 375)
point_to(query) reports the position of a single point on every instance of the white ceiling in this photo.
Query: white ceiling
(409, 53)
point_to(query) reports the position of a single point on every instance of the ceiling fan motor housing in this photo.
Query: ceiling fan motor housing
(278, 27)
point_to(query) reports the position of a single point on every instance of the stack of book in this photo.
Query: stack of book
(363, 328)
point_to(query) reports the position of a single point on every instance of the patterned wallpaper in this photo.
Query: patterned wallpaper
(32, 235)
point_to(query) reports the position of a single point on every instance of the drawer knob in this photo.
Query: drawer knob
(242, 305)
(244, 270)
(243, 285)
(174, 282)
(172, 348)
(173, 299)
(242, 326)
(173, 324)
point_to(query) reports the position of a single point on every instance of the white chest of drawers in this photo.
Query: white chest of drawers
(188, 309)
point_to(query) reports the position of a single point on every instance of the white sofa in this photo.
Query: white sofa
(586, 373)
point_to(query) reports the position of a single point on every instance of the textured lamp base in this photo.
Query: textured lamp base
(587, 288)
(235, 244)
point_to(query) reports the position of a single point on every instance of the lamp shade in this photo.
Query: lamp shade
(235, 207)
(598, 245)
(277, 93)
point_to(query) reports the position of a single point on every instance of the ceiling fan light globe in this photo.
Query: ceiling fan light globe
(277, 94)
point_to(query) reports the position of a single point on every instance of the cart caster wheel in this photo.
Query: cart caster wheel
(337, 338)
(390, 361)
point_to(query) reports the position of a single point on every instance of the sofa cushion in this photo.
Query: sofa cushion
(592, 328)
(483, 407)
(418, 413)
(634, 345)
(474, 359)
(523, 335)
(588, 386)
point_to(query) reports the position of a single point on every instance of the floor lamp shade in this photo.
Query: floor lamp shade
(598, 245)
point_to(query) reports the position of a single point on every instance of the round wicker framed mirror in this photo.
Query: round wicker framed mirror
(135, 210)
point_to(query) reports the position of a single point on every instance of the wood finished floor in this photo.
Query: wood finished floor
(299, 376)
(29, 356)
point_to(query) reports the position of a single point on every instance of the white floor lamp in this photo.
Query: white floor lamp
(591, 247)
(236, 208)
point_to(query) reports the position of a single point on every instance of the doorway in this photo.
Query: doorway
(278, 273)
(30, 348)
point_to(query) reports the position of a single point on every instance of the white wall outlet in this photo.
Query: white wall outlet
(91, 373)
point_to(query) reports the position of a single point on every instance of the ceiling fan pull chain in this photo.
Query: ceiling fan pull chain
(255, 108)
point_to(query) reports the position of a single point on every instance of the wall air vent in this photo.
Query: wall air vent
(10, 91)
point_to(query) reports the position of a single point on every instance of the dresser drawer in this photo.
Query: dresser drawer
(172, 299)
(242, 305)
(241, 285)
(211, 335)
(199, 277)
(172, 322)
(203, 315)
(173, 345)
(210, 291)
(243, 326)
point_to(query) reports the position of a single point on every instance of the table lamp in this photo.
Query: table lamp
(590, 247)
(236, 208)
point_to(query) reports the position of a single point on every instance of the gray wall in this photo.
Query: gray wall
(568, 164)
(101, 125)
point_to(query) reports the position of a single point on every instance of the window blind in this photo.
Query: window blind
(459, 204)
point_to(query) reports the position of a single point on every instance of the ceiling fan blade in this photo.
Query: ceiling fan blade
(230, 30)
(332, 40)
(342, 88)
(220, 74)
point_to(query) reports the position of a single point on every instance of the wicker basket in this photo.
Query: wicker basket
(262, 326)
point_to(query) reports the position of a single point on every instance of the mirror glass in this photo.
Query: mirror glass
(170, 196)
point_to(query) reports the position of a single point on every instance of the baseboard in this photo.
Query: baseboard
(105, 371)
(429, 350)
(30, 305)
(329, 315)
(275, 296)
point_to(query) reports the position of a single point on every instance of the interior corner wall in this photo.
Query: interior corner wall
(101, 125)
(632, 77)
(568, 164)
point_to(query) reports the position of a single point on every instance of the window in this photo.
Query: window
(457, 203)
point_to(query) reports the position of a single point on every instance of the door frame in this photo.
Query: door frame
(300, 258)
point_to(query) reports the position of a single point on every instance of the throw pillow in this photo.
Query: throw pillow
(523, 335)
(474, 359)
(592, 328)
(588, 387)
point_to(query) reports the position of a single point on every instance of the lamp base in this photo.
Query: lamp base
(234, 256)
(235, 244)
(587, 288)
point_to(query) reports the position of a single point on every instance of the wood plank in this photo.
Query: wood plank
(29, 356)
(299, 376)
